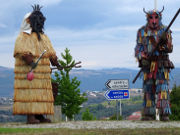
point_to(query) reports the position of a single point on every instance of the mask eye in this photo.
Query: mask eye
(150, 17)
(156, 17)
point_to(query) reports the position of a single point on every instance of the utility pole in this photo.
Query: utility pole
(155, 5)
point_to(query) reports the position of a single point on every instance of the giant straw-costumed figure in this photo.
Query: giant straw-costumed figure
(33, 98)
(155, 65)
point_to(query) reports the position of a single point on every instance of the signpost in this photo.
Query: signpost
(116, 94)
(116, 84)
(117, 90)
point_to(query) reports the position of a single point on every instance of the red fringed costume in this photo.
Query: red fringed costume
(156, 65)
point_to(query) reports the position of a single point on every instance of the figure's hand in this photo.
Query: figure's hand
(145, 63)
(163, 41)
(28, 58)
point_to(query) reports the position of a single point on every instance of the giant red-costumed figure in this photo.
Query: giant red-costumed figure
(33, 98)
(155, 65)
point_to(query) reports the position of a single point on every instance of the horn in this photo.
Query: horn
(145, 11)
(32, 7)
(36, 7)
(162, 10)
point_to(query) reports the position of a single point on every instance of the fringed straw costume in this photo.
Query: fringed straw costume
(33, 97)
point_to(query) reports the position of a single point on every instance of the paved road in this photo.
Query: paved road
(98, 125)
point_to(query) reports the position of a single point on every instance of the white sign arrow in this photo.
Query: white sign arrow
(116, 84)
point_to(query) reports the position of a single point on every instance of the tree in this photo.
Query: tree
(87, 115)
(175, 103)
(114, 117)
(69, 96)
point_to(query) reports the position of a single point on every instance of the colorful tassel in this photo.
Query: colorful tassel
(167, 110)
(163, 95)
(145, 76)
(145, 34)
(152, 68)
(156, 33)
(149, 103)
(166, 74)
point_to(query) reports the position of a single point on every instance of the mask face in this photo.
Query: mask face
(153, 21)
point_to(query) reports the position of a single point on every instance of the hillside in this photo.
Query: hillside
(91, 80)
(97, 104)
(6, 81)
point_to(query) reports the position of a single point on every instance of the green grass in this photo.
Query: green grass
(21, 130)
(42, 131)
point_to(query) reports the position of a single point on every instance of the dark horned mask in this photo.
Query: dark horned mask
(36, 20)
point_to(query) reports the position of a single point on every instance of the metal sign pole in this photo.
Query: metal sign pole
(120, 108)
(117, 109)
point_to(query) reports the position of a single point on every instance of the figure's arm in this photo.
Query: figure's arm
(139, 49)
(140, 52)
(169, 42)
(54, 62)
(166, 40)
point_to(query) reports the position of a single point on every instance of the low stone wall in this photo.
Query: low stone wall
(57, 117)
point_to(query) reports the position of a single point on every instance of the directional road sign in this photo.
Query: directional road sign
(117, 84)
(117, 94)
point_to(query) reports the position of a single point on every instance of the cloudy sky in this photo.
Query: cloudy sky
(100, 33)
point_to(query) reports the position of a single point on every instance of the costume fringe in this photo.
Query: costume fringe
(34, 84)
(43, 61)
(33, 95)
(36, 75)
(38, 69)
(33, 108)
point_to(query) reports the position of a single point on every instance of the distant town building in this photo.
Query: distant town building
(135, 116)
(6, 101)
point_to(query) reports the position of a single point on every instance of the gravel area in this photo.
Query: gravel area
(97, 125)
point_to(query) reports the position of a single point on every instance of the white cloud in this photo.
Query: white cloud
(93, 56)
(111, 34)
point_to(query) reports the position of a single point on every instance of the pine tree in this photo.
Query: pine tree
(69, 96)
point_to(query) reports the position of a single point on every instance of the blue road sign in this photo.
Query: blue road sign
(117, 94)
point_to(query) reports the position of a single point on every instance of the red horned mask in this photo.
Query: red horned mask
(154, 19)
